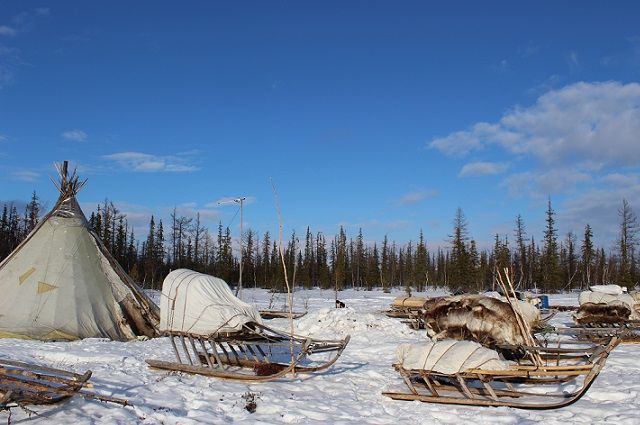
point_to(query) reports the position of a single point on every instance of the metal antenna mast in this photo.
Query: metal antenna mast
(240, 201)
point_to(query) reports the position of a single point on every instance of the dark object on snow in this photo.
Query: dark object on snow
(251, 404)
(340, 304)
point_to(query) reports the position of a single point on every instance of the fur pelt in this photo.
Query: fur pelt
(486, 320)
(602, 313)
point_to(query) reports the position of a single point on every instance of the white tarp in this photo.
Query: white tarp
(449, 356)
(200, 304)
(59, 285)
(608, 289)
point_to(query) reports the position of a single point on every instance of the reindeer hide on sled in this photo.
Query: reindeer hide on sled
(489, 321)
(602, 313)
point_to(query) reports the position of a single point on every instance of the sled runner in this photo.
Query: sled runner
(256, 353)
(277, 314)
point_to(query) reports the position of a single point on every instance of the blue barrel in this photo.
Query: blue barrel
(544, 302)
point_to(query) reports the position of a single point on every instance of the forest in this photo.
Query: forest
(549, 264)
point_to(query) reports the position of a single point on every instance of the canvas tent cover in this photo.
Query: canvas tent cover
(200, 304)
(449, 356)
(62, 284)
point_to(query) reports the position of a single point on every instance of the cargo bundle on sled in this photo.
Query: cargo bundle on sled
(606, 311)
(214, 333)
(465, 373)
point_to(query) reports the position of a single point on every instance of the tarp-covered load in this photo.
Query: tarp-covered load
(602, 298)
(61, 283)
(200, 304)
(408, 302)
(607, 304)
(608, 289)
(449, 356)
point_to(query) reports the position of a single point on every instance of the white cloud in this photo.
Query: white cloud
(574, 63)
(75, 135)
(599, 208)
(146, 163)
(622, 180)
(414, 197)
(191, 209)
(482, 169)
(582, 122)
(502, 66)
(542, 184)
(5, 30)
(25, 175)
(43, 11)
(6, 76)
(528, 50)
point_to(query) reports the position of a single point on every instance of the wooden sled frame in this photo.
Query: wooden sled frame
(24, 383)
(510, 387)
(278, 314)
(247, 355)
(409, 308)
(627, 331)
(414, 317)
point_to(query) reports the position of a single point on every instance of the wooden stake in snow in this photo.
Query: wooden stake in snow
(284, 266)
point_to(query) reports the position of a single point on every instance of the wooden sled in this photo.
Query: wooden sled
(628, 331)
(277, 314)
(414, 318)
(256, 353)
(520, 386)
(411, 309)
(24, 383)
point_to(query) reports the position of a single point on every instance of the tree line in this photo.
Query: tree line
(315, 259)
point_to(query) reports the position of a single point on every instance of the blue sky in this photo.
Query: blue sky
(380, 115)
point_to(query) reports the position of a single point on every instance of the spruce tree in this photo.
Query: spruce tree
(33, 213)
(421, 277)
(627, 243)
(549, 259)
(359, 260)
(587, 259)
(265, 266)
(570, 264)
(521, 272)
(460, 273)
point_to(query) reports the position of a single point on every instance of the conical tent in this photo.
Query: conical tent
(61, 283)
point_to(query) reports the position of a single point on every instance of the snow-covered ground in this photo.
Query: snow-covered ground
(347, 393)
